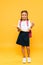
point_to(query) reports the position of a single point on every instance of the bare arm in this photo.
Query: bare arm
(32, 24)
(19, 29)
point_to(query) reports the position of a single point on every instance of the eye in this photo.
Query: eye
(25, 14)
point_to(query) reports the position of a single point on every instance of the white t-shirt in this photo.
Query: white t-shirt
(23, 25)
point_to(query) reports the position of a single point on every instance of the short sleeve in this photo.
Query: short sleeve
(18, 24)
(29, 24)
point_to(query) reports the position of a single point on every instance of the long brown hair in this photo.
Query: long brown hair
(26, 13)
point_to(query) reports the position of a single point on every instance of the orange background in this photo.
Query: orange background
(9, 16)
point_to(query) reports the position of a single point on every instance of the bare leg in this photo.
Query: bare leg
(23, 50)
(28, 50)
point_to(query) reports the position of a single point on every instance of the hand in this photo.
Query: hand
(28, 30)
(18, 29)
(32, 24)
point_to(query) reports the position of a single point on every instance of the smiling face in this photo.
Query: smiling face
(24, 15)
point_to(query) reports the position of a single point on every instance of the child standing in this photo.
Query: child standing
(24, 26)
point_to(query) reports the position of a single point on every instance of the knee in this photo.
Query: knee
(27, 47)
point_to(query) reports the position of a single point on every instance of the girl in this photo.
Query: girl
(24, 26)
